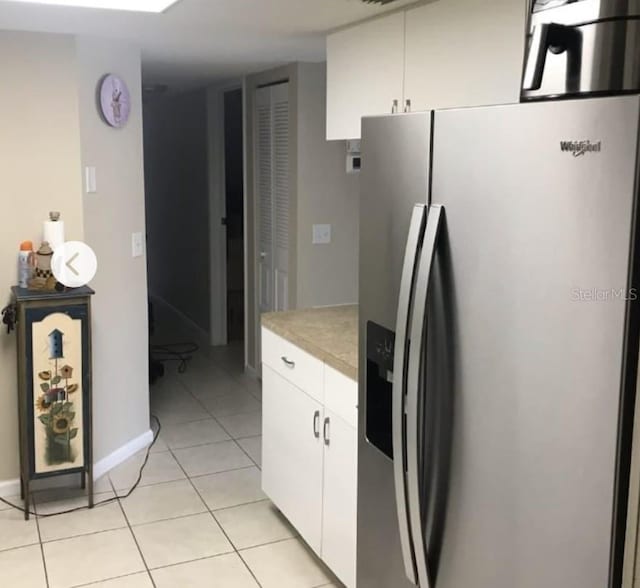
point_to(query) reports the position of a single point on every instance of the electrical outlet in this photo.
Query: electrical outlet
(137, 245)
(321, 234)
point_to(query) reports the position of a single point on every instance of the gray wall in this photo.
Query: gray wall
(47, 138)
(177, 203)
(40, 154)
(120, 331)
(327, 274)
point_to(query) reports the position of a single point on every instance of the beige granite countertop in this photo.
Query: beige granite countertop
(328, 333)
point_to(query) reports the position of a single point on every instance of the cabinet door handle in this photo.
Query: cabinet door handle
(326, 431)
(407, 106)
(288, 362)
(394, 107)
(316, 424)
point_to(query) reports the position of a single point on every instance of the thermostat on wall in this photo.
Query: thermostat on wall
(354, 160)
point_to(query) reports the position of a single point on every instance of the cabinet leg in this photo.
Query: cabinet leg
(90, 486)
(21, 488)
(83, 480)
(27, 501)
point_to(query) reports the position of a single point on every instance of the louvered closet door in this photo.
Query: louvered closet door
(272, 190)
(280, 110)
(264, 193)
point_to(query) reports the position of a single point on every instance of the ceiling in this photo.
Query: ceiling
(201, 41)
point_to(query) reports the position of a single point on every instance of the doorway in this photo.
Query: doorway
(234, 216)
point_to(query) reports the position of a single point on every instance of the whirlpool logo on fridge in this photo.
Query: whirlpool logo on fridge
(579, 148)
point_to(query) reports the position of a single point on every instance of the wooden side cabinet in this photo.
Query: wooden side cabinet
(54, 386)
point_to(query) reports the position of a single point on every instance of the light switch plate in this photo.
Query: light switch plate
(91, 186)
(321, 234)
(137, 245)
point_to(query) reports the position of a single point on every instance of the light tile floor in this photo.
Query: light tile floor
(198, 518)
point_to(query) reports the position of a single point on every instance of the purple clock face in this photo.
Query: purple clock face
(115, 101)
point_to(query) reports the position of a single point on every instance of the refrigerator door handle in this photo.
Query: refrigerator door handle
(417, 336)
(414, 241)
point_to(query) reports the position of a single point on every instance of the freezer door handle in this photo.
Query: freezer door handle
(414, 243)
(417, 350)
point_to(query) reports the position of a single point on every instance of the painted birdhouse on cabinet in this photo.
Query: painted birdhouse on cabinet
(55, 345)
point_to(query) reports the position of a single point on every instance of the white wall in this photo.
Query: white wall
(39, 172)
(120, 331)
(327, 274)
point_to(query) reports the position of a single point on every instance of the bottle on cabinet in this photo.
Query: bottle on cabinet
(25, 263)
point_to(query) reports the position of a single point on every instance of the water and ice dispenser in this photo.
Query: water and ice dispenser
(380, 350)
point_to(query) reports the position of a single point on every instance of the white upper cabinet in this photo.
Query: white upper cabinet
(444, 54)
(464, 53)
(365, 71)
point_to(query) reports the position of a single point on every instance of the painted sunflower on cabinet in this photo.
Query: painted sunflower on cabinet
(56, 412)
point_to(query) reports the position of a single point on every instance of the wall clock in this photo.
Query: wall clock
(114, 101)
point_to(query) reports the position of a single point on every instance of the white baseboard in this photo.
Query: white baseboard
(122, 454)
(9, 488)
(12, 487)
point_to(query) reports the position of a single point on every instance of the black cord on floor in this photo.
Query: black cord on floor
(180, 352)
(102, 502)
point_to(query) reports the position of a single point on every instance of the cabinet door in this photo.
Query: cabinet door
(339, 519)
(464, 53)
(365, 69)
(292, 454)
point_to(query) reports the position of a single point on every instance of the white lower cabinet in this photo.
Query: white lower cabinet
(310, 454)
(292, 454)
(339, 513)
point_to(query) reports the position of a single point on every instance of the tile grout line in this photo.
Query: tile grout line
(190, 392)
(213, 516)
(44, 559)
(107, 580)
(84, 534)
(231, 437)
(133, 535)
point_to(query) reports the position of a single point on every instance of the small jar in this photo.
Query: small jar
(43, 261)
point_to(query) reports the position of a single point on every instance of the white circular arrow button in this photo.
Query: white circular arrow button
(74, 264)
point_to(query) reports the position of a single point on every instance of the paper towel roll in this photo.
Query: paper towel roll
(53, 232)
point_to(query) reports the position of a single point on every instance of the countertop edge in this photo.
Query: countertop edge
(331, 360)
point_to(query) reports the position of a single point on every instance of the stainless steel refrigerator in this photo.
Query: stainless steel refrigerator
(499, 344)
